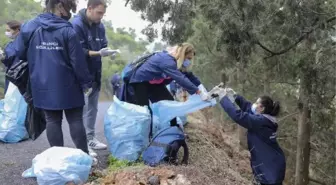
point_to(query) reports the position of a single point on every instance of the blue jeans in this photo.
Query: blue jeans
(90, 112)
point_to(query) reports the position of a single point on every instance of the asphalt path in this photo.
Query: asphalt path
(16, 158)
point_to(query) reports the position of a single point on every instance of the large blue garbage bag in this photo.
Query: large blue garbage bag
(60, 165)
(126, 129)
(13, 111)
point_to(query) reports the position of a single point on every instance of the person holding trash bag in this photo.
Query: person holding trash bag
(58, 73)
(185, 69)
(150, 79)
(91, 32)
(268, 161)
(8, 57)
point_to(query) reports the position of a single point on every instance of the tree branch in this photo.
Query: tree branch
(287, 116)
(300, 39)
(127, 1)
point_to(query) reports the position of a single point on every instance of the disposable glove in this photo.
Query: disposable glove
(204, 96)
(218, 91)
(108, 52)
(231, 94)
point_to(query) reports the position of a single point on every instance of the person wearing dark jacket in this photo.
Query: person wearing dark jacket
(9, 58)
(58, 72)
(175, 87)
(150, 79)
(91, 33)
(268, 161)
(115, 82)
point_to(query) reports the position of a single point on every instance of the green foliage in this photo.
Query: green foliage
(121, 38)
(280, 48)
(115, 164)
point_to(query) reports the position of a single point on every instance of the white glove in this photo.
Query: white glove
(87, 92)
(218, 91)
(2, 54)
(205, 96)
(230, 94)
(107, 51)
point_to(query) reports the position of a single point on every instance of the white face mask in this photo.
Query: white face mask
(9, 34)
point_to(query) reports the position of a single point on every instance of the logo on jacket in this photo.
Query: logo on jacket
(49, 46)
(273, 136)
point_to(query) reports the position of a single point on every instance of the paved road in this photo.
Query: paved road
(15, 158)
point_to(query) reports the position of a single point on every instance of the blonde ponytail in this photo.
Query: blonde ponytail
(180, 51)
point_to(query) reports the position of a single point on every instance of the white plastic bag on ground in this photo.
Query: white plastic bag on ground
(60, 165)
(13, 111)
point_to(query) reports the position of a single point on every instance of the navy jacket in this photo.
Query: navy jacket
(267, 158)
(9, 60)
(162, 66)
(92, 37)
(174, 86)
(57, 67)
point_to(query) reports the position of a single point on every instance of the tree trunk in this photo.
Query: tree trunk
(242, 136)
(303, 139)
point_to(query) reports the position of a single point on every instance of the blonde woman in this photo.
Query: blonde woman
(150, 79)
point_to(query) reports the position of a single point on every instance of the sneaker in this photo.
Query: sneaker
(92, 153)
(96, 145)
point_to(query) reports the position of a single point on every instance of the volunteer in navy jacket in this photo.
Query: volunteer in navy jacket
(9, 57)
(150, 79)
(174, 86)
(267, 158)
(58, 72)
(115, 82)
(91, 32)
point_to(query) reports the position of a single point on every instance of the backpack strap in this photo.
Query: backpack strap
(185, 153)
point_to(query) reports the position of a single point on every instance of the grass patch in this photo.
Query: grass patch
(115, 164)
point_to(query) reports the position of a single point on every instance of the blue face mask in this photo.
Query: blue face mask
(186, 63)
(254, 108)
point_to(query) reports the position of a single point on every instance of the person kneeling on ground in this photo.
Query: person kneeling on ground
(268, 161)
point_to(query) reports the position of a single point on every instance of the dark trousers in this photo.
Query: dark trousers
(143, 92)
(272, 184)
(77, 131)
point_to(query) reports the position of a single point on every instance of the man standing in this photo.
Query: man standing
(91, 33)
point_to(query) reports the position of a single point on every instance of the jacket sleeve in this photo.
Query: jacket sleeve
(104, 41)
(170, 69)
(9, 55)
(244, 119)
(82, 38)
(78, 61)
(243, 104)
(21, 43)
(193, 78)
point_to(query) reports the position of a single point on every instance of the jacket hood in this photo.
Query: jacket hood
(271, 118)
(49, 21)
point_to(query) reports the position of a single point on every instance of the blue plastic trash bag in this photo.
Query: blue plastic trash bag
(166, 110)
(60, 165)
(13, 109)
(127, 129)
